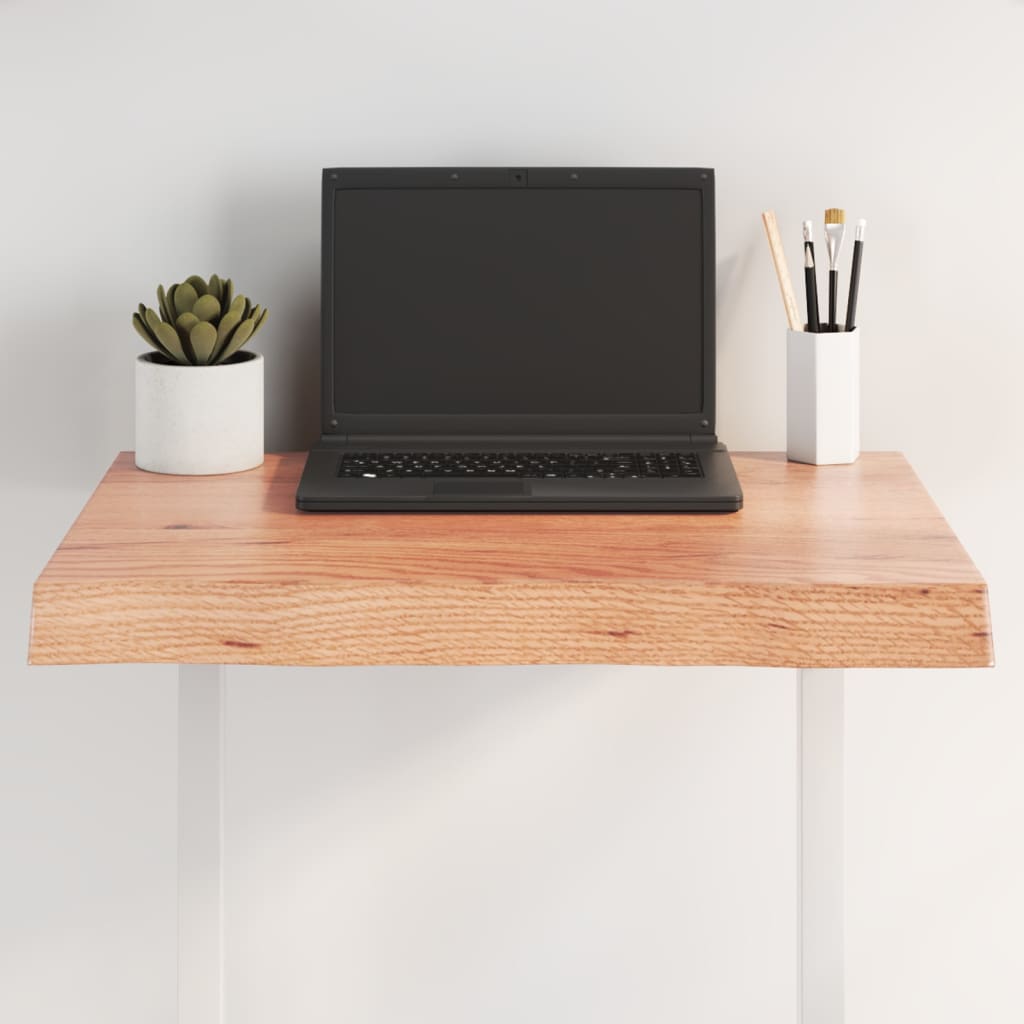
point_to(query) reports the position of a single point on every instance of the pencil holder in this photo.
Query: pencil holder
(823, 397)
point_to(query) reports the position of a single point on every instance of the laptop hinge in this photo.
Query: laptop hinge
(545, 440)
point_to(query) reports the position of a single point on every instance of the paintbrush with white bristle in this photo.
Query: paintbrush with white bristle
(810, 279)
(835, 229)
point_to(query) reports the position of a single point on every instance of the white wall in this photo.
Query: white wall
(544, 845)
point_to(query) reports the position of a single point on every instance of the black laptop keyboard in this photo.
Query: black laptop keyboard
(589, 465)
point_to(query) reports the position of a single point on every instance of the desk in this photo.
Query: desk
(825, 568)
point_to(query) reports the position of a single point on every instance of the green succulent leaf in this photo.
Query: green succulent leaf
(168, 337)
(198, 283)
(204, 340)
(227, 294)
(144, 332)
(215, 287)
(165, 306)
(185, 323)
(241, 334)
(140, 325)
(185, 297)
(259, 320)
(207, 308)
(228, 322)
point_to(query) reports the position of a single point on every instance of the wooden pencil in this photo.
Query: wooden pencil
(771, 227)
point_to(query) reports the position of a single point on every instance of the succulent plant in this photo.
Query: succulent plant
(200, 323)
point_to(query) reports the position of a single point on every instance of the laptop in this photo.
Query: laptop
(519, 339)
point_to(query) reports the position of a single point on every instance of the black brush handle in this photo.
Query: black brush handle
(833, 293)
(811, 284)
(851, 302)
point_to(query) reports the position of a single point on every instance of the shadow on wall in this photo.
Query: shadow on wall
(371, 736)
(65, 389)
(272, 248)
(732, 276)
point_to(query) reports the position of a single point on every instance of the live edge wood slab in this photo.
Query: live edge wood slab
(839, 566)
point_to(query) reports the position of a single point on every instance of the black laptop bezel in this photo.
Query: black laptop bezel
(337, 423)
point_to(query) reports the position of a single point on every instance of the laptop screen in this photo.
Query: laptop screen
(504, 300)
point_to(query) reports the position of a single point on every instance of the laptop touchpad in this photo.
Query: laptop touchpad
(474, 485)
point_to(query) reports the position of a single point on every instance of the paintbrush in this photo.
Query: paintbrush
(835, 229)
(851, 302)
(810, 280)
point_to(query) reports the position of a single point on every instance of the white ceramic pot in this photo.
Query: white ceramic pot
(199, 420)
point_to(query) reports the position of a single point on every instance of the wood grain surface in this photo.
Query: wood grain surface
(825, 566)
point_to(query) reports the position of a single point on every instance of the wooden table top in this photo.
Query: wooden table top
(824, 566)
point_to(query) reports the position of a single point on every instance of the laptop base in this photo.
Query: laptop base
(321, 489)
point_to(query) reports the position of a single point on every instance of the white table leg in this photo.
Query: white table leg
(201, 690)
(820, 881)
